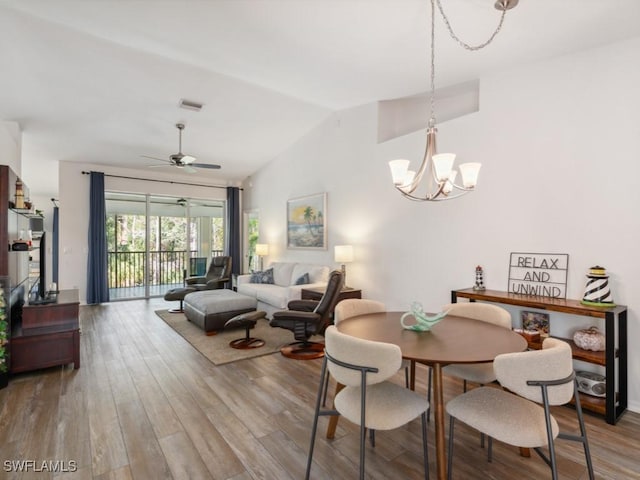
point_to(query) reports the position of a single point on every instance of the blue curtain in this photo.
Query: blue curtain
(97, 286)
(233, 230)
(54, 247)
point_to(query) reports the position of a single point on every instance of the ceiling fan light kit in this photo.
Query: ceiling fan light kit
(180, 160)
(437, 170)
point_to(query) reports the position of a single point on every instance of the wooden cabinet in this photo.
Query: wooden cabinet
(613, 359)
(44, 335)
(47, 335)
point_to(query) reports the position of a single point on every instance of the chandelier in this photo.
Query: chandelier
(437, 168)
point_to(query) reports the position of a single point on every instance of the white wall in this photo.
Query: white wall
(74, 209)
(11, 146)
(559, 142)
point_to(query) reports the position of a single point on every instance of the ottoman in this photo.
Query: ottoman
(210, 309)
(178, 294)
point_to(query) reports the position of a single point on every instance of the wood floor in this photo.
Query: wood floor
(146, 405)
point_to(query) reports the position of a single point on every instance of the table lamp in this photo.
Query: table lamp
(343, 254)
(262, 250)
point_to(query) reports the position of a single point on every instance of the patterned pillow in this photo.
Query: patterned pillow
(265, 276)
(303, 279)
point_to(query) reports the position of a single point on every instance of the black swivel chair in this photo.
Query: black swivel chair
(309, 317)
(217, 275)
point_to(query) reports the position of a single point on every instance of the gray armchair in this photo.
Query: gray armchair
(217, 275)
(309, 317)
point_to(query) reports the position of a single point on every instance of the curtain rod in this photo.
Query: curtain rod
(161, 181)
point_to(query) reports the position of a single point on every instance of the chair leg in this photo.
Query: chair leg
(552, 450)
(372, 437)
(490, 450)
(450, 458)
(406, 377)
(429, 395)
(326, 388)
(363, 435)
(315, 418)
(583, 432)
(425, 450)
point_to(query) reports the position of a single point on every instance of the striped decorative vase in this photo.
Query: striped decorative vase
(597, 292)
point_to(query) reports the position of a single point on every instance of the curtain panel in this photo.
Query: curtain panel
(97, 272)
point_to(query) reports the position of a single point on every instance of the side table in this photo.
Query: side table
(316, 293)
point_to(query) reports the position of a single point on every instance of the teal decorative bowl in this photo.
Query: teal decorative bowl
(424, 322)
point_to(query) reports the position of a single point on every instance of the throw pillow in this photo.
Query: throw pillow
(265, 276)
(303, 279)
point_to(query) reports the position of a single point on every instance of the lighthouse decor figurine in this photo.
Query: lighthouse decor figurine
(597, 292)
(479, 279)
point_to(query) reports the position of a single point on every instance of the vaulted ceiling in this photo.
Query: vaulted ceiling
(100, 81)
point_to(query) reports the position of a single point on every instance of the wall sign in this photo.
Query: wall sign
(542, 274)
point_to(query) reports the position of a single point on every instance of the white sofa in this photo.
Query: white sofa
(274, 297)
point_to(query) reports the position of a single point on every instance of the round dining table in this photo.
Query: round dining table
(452, 340)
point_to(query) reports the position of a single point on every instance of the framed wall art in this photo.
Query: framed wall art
(307, 222)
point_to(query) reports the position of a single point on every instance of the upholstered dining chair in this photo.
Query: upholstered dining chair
(345, 309)
(352, 307)
(515, 416)
(481, 373)
(218, 273)
(306, 318)
(368, 399)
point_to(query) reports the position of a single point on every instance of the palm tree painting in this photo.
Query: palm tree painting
(306, 222)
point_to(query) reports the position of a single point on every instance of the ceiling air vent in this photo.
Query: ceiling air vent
(190, 105)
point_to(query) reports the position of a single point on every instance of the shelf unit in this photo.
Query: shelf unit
(614, 358)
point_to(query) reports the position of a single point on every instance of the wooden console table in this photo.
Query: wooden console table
(47, 335)
(614, 358)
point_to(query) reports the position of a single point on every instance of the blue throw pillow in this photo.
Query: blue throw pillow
(265, 276)
(303, 279)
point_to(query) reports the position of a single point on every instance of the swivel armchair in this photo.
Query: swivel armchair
(309, 317)
(217, 275)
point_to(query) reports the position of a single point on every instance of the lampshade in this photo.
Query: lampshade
(343, 253)
(262, 249)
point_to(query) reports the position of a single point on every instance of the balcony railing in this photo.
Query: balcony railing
(126, 269)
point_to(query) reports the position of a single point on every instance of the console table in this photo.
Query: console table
(614, 358)
(47, 335)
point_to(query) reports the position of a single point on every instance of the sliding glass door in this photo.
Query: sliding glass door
(154, 241)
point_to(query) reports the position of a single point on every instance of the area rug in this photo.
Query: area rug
(216, 347)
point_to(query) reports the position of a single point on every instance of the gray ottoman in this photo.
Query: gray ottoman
(210, 309)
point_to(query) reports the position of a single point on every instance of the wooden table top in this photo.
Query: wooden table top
(453, 340)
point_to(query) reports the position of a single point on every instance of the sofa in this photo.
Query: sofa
(280, 283)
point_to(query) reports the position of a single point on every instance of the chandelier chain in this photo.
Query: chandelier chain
(432, 116)
(472, 48)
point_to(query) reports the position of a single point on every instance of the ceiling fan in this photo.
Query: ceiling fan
(180, 160)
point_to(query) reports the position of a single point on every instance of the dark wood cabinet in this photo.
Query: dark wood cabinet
(613, 359)
(47, 335)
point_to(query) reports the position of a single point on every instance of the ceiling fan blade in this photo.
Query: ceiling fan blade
(163, 165)
(157, 158)
(205, 165)
(187, 168)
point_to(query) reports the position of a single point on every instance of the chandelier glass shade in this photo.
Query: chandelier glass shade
(436, 179)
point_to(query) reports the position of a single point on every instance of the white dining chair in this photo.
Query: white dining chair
(515, 416)
(481, 373)
(368, 398)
